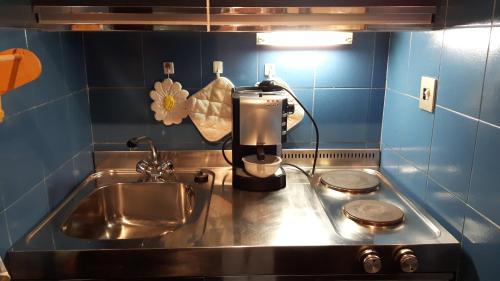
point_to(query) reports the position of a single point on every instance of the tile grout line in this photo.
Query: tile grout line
(43, 180)
(371, 90)
(473, 164)
(87, 90)
(489, 124)
(458, 113)
(427, 173)
(63, 59)
(9, 237)
(385, 91)
(143, 70)
(373, 58)
(450, 110)
(44, 104)
(471, 172)
(446, 189)
(465, 203)
(493, 12)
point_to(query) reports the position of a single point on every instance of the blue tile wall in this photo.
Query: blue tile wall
(380, 60)
(237, 51)
(45, 139)
(375, 111)
(302, 135)
(424, 58)
(452, 151)
(481, 241)
(446, 207)
(333, 70)
(160, 47)
(114, 60)
(447, 160)
(491, 98)
(341, 115)
(122, 68)
(397, 63)
(484, 191)
(462, 69)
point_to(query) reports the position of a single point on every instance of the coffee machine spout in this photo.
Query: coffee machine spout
(261, 155)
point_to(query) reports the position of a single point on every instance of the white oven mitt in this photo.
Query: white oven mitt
(210, 109)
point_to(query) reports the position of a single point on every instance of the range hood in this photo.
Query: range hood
(239, 15)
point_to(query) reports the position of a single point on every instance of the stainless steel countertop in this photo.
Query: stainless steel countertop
(246, 233)
(289, 217)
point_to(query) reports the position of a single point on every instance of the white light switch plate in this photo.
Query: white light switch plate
(428, 88)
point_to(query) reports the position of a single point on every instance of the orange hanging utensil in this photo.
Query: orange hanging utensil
(17, 68)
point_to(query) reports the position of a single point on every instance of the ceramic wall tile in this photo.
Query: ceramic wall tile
(332, 62)
(238, 52)
(341, 115)
(181, 48)
(397, 63)
(114, 59)
(491, 91)
(484, 192)
(462, 69)
(452, 151)
(27, 211)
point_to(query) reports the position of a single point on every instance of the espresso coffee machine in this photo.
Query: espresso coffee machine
(259, 130)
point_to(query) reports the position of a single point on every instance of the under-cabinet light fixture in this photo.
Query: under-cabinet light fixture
(304, 38)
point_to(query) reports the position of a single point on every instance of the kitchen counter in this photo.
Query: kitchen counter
(286, 232)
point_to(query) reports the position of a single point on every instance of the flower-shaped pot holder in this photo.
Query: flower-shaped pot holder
(169, 102)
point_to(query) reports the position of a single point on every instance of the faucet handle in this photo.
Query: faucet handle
(167, 166)
(142, 167)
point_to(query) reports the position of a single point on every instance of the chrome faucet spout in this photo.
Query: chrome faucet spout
(134, 142)
(153, 169)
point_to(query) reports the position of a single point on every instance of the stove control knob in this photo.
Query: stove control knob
(407, 260)
(371, 261)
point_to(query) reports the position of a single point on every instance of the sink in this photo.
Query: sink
(131, 211)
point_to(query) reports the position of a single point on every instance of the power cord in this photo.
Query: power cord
(224, 150)
(315, 129)
(296, 167)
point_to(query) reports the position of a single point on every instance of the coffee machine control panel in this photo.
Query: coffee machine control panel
(263, 118)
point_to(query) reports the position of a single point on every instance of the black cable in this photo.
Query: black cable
(224, 150)
(296, 167)
(315, 128)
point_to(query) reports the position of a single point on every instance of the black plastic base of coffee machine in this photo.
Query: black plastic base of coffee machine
(242, 180)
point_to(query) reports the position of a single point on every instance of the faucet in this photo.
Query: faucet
(153, 169)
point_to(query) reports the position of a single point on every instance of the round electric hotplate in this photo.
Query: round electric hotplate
(373, 213)
(353, 181)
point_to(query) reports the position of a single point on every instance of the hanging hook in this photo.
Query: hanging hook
(168, 68)
(217, 68)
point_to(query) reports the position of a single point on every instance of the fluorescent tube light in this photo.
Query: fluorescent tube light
(304, 38)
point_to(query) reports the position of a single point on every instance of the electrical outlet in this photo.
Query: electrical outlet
(427, 93)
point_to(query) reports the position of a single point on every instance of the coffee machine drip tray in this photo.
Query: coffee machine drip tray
(245, 181)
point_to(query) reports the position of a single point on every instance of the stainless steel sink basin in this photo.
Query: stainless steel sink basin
(131, 210)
